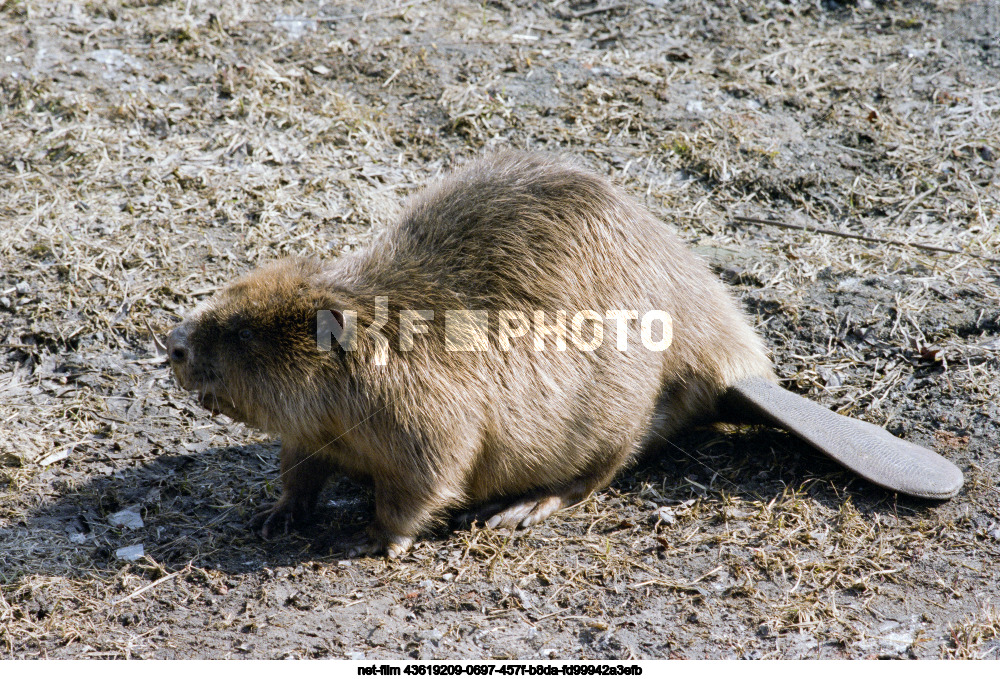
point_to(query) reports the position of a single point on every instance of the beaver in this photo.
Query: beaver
(520, 334)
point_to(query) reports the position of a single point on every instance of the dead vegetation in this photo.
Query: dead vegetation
(151, 151)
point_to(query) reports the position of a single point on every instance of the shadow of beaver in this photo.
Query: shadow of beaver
(196, 508)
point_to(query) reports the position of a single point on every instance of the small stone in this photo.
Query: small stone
(430, 635)
(126, 518)
(898, 641)
(526, 598)
(849, 285)
(54, 457)
(831, 378)
(665, 514)
(295, 27)
(109, 57)
(130, 553)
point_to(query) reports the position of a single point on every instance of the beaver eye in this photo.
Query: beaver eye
(246, 334)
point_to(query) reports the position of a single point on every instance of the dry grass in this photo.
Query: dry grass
(151, 151)
(969, 637)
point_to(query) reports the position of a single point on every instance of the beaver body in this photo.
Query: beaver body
(441, 400)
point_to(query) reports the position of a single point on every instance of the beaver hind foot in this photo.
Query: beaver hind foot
(527, 510)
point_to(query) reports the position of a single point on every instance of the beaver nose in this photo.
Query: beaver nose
(177, 347)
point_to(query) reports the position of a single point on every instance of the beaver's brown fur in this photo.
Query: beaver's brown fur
(435, 429)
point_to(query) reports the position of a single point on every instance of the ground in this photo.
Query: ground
(152, 150)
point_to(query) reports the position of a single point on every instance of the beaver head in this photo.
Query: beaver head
(251, 351)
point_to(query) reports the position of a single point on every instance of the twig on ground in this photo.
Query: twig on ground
(870, 239)
(151, 585)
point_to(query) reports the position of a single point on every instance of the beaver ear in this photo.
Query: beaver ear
(333, 319)
(322, 296)
(338, 317)
(330, 329)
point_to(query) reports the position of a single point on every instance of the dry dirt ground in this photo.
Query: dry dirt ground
(152, 150)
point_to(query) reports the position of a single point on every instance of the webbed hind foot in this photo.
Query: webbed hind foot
(531, 510)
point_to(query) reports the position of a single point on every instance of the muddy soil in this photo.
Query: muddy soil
(152, 150)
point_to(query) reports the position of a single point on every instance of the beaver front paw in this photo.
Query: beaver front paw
(279, 518)
(377, 543)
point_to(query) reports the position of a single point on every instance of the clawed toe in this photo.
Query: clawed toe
(276, 519)
(526, 513)
(393, 546)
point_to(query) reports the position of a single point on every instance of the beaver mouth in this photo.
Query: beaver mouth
(212, 398)
(210, 393)
(216, 404)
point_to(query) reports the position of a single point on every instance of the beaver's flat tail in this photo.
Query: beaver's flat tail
(864, 448)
